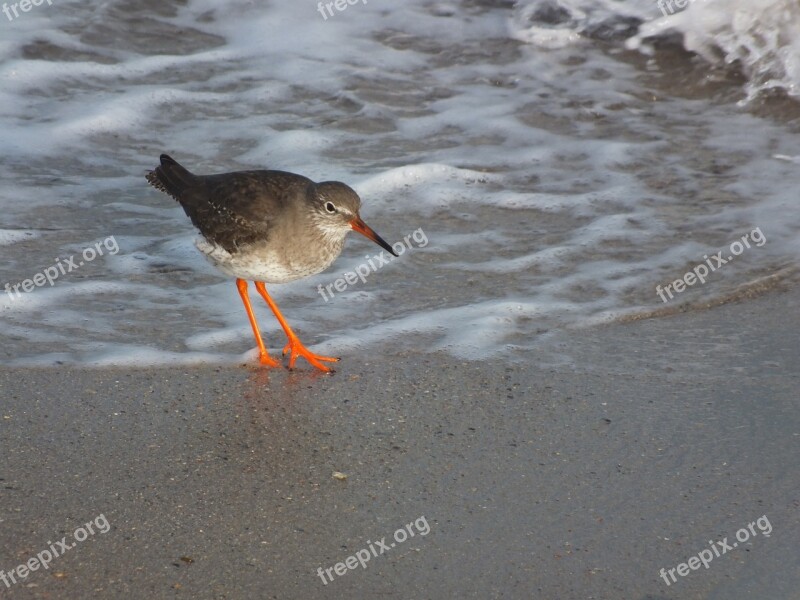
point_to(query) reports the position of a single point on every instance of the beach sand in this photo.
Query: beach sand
(583, 480)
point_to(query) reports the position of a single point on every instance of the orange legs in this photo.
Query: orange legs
(295, 347)
(264, 357)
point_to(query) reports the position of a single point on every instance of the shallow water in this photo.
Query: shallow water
(561, 161)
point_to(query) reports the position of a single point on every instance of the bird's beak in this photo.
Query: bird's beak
(358, 225)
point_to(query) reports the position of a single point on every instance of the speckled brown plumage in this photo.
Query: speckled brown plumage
(236, 209)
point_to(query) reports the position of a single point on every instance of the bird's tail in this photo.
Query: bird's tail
(170, 177)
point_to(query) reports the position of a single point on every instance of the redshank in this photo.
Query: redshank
(267, 226)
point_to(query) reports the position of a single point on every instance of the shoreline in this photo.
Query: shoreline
(573, 481)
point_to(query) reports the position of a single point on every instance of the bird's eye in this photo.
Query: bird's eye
(330, 207)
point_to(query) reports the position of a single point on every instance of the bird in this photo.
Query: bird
(267, 226)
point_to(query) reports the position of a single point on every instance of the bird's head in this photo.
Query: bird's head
(336, 207)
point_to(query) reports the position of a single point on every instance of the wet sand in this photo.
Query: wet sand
(644, 441)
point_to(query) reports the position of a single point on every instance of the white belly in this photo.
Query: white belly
(266, 266)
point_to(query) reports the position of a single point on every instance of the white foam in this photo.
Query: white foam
(12, 236)
(763, 38)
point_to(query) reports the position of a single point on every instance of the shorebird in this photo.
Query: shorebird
(268, 227)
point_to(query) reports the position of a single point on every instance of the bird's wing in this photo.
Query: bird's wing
(237, 209)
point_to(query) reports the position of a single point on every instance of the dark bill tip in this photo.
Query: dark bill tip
(358, 225)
